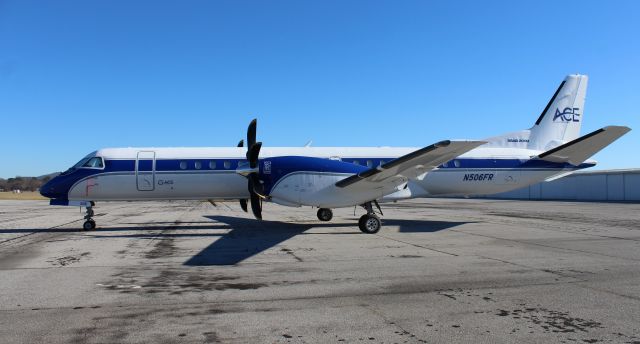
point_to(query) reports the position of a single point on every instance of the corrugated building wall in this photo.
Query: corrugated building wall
(607, 185)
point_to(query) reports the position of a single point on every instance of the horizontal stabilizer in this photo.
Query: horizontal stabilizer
(579, 150)
(411, 165)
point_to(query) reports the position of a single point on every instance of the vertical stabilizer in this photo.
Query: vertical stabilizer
(561, 119)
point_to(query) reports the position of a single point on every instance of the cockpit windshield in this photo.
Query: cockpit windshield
(95, 162)
(86, 162)
(80, 163)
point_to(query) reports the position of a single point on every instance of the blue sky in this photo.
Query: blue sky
(76, 76)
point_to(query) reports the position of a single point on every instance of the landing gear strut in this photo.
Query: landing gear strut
(370, 223)
(89, 223)
(325, 214)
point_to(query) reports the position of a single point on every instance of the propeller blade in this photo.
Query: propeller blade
(256, 206)
(241, 143)
(251, 133)
(256, 190)
(255, 187)
(243, 205)
(253, 153)
(254, 183)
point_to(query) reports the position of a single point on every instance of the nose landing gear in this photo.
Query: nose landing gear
(89, 223)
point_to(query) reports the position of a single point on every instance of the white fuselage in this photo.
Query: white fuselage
(210, 173)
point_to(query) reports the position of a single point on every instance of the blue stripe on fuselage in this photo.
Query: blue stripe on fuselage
(59, 186)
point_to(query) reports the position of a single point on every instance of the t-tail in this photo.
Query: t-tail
(559, 122)
(561, 119)
(556, 133)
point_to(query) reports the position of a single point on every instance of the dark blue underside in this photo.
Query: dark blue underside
(59, 187)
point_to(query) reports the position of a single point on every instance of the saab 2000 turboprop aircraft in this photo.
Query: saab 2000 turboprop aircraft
(334, 177)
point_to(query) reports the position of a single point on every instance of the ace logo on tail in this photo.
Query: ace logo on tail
(567, 115)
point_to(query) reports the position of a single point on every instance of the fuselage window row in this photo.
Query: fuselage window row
(198, 165)
(98, 162)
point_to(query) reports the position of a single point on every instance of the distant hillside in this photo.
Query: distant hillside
(25, 183)
(49, 176)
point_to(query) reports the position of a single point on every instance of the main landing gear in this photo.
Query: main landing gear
(370, 223)
(325, 214)
(89, 223)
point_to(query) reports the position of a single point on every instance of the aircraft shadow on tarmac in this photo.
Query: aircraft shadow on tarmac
(157, 226)
(240, 238)
(249, 237)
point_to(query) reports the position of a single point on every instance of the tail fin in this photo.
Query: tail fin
(561, 119)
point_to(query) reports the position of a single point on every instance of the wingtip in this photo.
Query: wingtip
(443, 143)
(617, 127)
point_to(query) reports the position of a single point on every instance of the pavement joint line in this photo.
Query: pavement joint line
(41, 230)
(541, 245)
(416, 245)
(635, 298)
(553, 272)
(566, 231)
(373, 309)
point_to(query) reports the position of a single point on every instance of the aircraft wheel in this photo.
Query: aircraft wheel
(325, 214)
(369, 224)
(89, 225)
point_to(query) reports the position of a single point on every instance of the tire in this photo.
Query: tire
(369, 224)
(325, 214)
(89, 225)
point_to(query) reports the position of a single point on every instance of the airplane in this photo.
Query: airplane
(335, 177)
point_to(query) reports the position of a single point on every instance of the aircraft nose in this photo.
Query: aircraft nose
(49, 189)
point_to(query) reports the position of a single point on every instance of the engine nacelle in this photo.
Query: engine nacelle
(297, 180)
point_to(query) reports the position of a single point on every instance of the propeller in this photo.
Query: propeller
(243, 202)
(256, 190)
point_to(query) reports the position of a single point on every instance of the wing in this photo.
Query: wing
(582, 148)
(398, 171)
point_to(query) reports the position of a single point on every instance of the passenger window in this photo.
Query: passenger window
(369, 163)
(381, 162)
(183, 165)
(356, 162)
(95, 162)
(212, 164)
(456, 163)
(198, 165)
(227, 164)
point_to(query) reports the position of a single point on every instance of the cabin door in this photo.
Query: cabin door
(145, 170)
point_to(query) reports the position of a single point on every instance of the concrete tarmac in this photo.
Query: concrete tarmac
(439, 271)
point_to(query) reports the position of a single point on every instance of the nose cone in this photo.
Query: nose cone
(50, 189)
